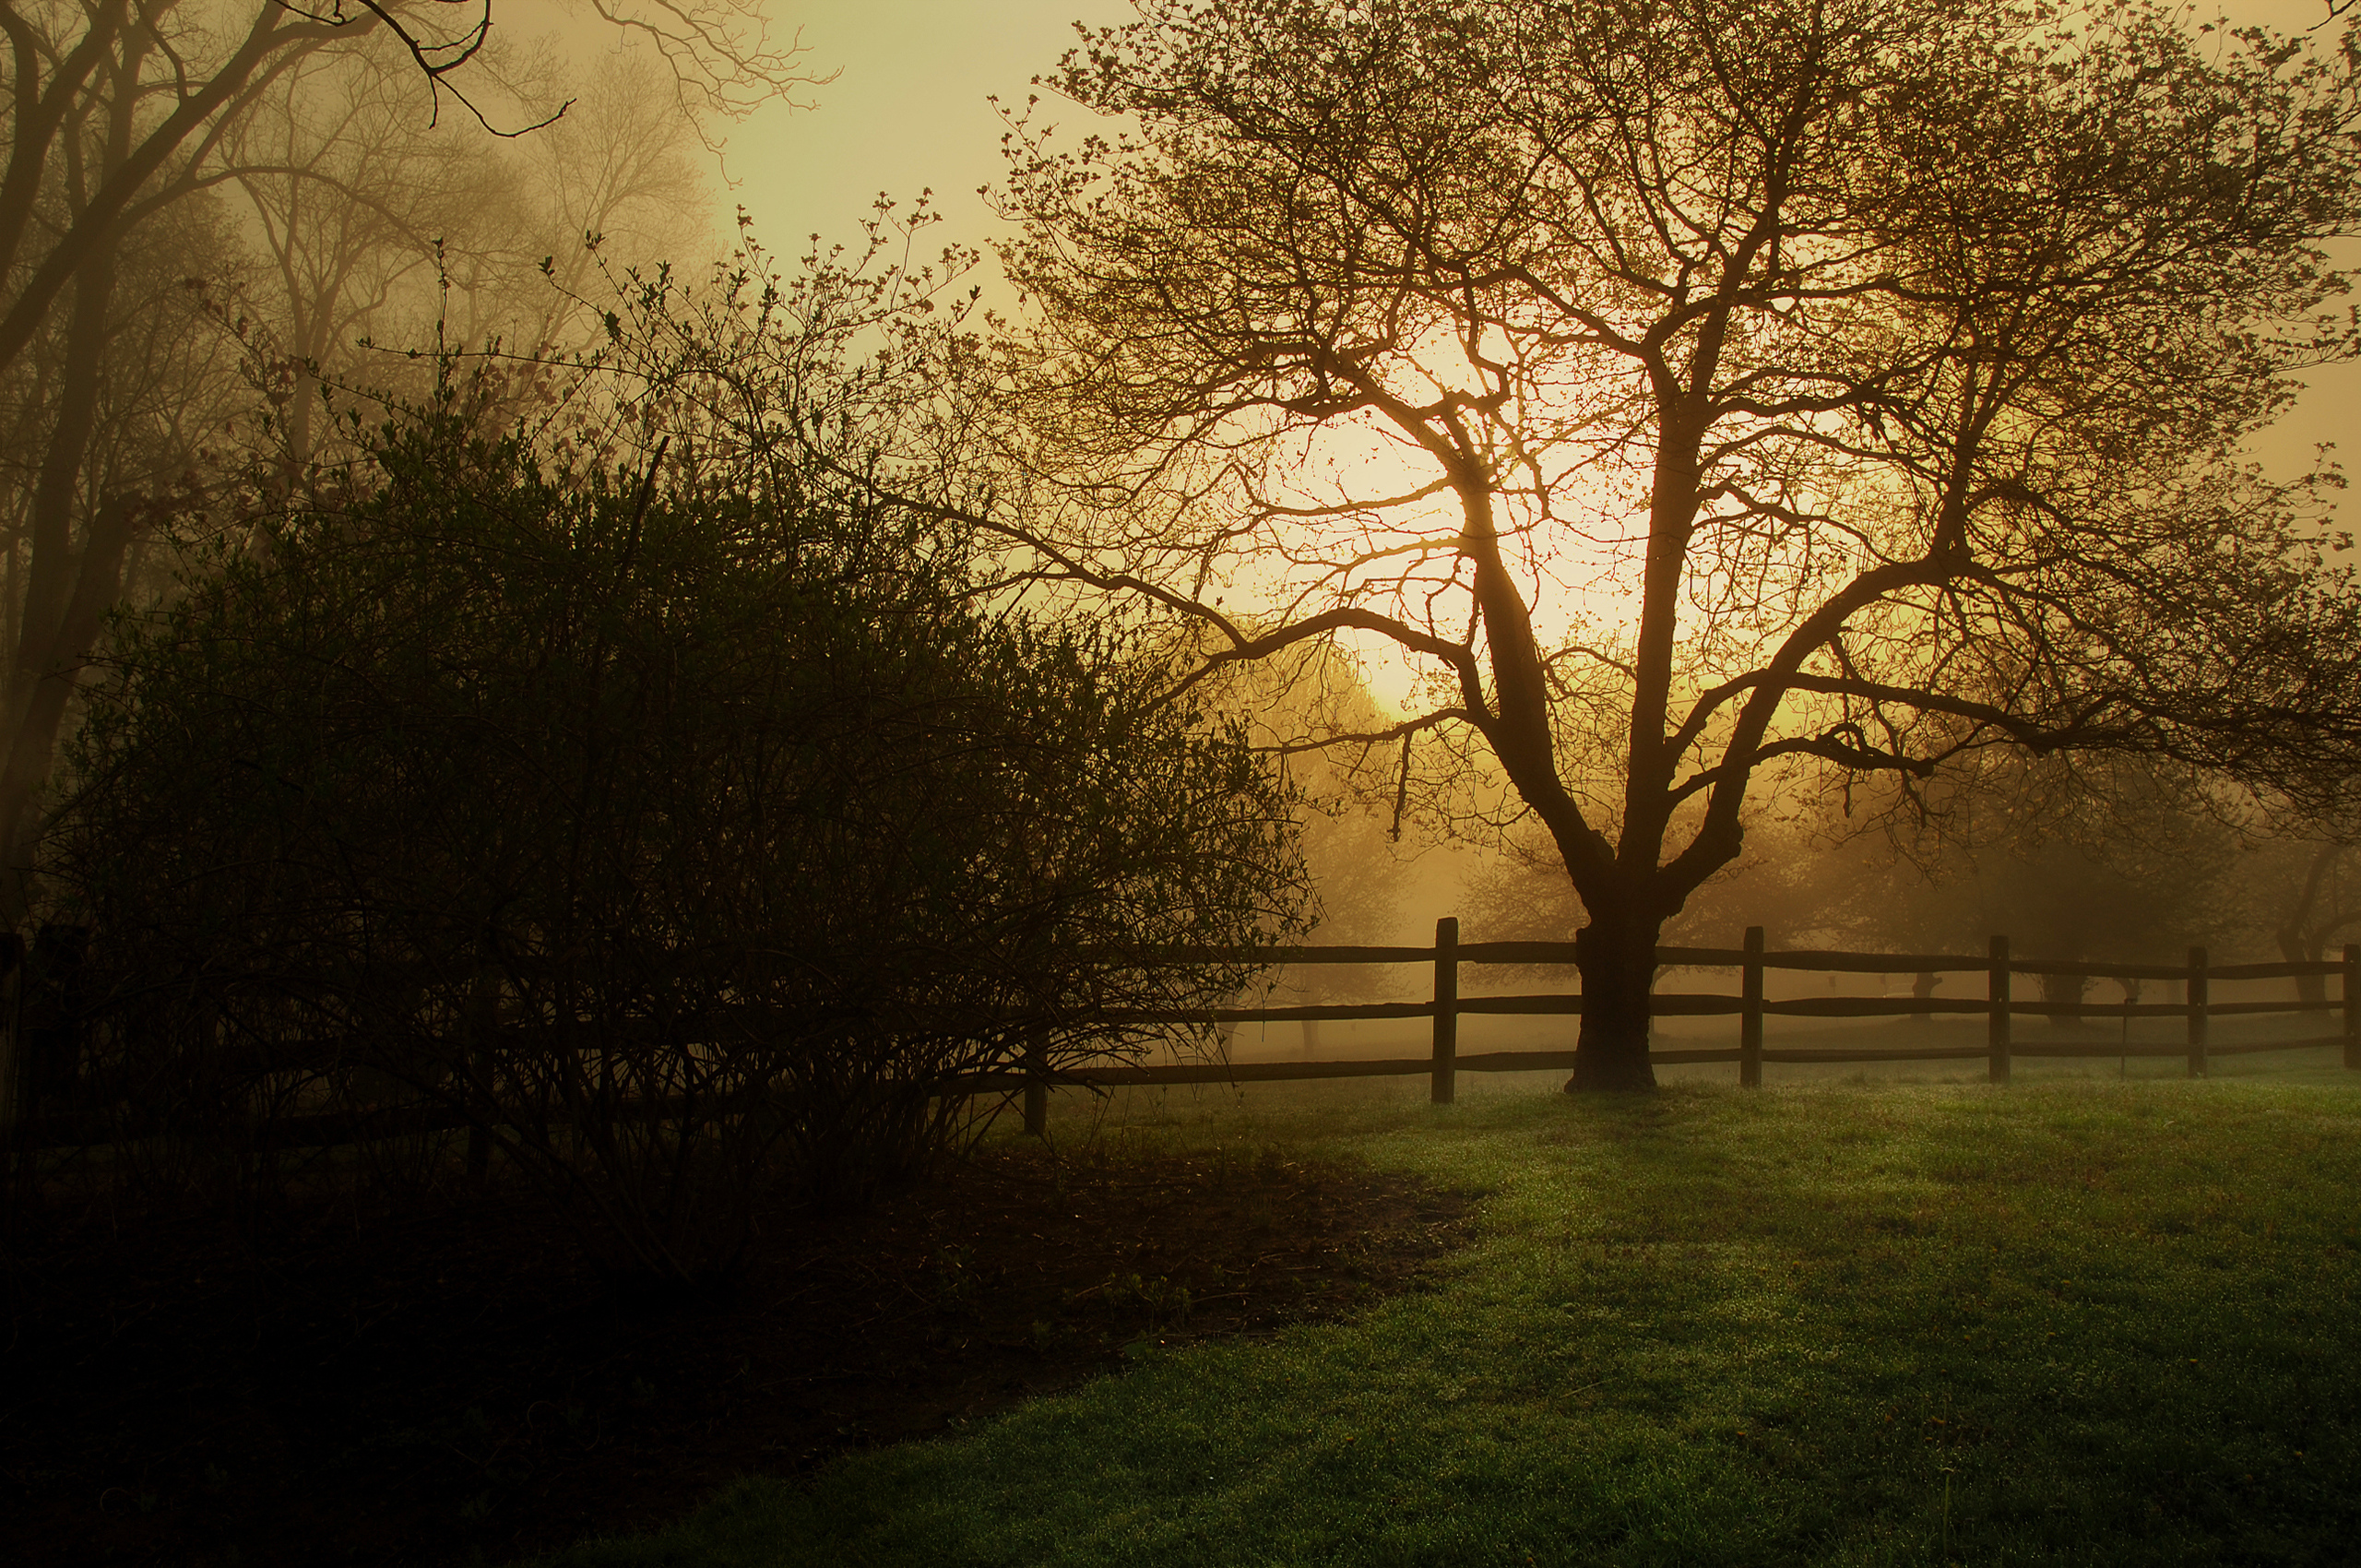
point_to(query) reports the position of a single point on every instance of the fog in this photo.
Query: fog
(664, 656)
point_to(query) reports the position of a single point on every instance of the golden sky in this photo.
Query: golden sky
(909, 111)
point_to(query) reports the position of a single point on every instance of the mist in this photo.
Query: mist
(1584, 776)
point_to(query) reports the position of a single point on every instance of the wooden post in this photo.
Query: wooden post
(12, 1019)
(2197, 990)
(1996, 987)
(2352, 1005)
(483, 1039)
(1037, 1088)
(1750, 1014)
(1446, 1068)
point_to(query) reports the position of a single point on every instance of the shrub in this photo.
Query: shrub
(689, 848)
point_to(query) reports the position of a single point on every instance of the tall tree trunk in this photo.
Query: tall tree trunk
(32, 745)
(1617, 959)
(2299, 938)
(2295, 949)
(68, 590)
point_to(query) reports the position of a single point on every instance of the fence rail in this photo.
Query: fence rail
(1444, 1006)
(1998, 1006)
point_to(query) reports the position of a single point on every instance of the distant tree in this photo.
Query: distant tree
(1353, 842)
(116, 114)
(373, 237)
(1701, 385)
(2104, 862)
(346, 204)
(2104, 859)
(2303, 894)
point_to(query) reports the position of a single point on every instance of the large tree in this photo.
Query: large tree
(1698, 388)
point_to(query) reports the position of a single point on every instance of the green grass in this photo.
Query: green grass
(2076, 1321)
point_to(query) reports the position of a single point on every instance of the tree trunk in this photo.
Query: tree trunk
(1923, 990)
(2300, 936)
(1618, 963)
(68, 590)
(2068, 989)
(2295, 949)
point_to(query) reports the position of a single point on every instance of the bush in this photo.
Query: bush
(689, 848)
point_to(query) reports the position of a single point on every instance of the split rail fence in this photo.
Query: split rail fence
(1998, 1006)
(1445, 1006)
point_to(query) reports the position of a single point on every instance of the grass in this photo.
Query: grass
(2075, 1321)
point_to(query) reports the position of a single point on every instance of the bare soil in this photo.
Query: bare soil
(460, 1386)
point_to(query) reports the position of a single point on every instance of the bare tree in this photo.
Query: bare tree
(2307, 893)
(117, 114)
(376, 236)
(348, 204)
(1703, 386)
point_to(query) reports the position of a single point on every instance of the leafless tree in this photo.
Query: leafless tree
(1701, 387)
(376, 236)
(2306, 895)
(116, 114)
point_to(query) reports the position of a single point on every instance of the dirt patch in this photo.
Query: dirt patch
(460, 1386)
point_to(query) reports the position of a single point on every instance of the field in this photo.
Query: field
(2085, 1319)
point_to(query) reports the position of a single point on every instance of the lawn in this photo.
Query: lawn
(2076, 1320)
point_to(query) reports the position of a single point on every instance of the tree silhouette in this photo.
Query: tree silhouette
(120, 114)
(1703, 387)
(693, 834)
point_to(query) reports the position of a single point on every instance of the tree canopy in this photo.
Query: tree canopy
(1701, 389)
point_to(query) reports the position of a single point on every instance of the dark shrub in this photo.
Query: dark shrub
(687, 849)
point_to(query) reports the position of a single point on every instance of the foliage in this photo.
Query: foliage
(2099, 860)
(693, 845)
(1699, 390)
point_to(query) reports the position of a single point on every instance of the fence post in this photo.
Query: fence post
(1036, 1090)
(1996, 987)
(483, 1038)
(2198, 998)
(2352, 1005)
(1749, 1013)
(12, 1019)
(1446, 1068)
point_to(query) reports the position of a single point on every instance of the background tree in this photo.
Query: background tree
(348, 205)
(116, 115)
(1698, 386)
(2096, 858)
(2303, 891)
(375, 237)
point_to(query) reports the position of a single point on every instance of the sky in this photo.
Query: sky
(909, 111)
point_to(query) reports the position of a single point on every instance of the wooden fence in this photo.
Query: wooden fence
(1998, 1006)
(1445, 1006)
